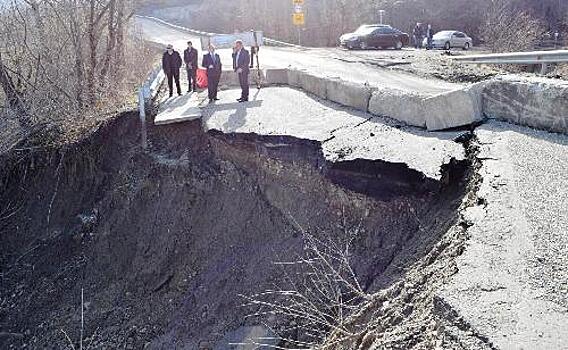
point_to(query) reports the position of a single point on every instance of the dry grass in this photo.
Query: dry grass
(316, 296)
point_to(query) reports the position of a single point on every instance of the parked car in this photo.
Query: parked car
(449, 39)
(374, 36)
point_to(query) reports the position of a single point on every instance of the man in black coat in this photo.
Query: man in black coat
(190, 59)
(241, 63)
(171, 63)
(212, 62)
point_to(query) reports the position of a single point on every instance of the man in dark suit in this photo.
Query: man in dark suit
(212, 62)
(171, 64)
(190, 59)
(241, 63)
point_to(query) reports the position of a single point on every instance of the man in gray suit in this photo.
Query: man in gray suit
(241, 65)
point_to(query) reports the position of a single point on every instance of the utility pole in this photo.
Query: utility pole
(381, 13)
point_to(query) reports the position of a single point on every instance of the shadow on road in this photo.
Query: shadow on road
(238, 118)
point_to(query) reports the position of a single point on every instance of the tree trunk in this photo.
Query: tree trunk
(93, 44)
(77, 42)
(13, 96)
(111, 41)
(120, 18)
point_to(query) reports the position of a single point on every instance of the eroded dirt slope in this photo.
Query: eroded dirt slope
(163, 242)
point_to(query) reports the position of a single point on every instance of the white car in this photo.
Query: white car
(449, 39)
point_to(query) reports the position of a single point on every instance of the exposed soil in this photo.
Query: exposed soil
(163, 241)
(426, 63)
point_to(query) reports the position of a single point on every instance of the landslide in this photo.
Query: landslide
(162, 242)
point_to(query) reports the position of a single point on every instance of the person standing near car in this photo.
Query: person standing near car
(212, 62)
(171, 64)
(430, 37)
(190, 58)
(417, 36)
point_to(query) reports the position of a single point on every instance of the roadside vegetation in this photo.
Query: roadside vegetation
(520, 22)
(67, 61)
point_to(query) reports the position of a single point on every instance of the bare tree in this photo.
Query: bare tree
(68, 57)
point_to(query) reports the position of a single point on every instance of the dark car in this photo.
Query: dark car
(374, 35)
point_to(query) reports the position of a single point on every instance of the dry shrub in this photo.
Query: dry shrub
(315, 297)
(507, 29)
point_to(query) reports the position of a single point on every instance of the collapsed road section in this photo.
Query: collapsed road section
(162, 242)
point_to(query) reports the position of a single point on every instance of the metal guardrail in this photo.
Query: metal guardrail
(148, 91)
(542, 58)
(197, 32)
(533, 57)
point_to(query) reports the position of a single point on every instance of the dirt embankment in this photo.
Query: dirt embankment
(163, 242)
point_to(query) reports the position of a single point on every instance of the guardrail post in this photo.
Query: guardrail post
(142, 109)
(146, 92)
(543, 68)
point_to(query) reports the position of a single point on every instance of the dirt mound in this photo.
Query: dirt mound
(162, 242)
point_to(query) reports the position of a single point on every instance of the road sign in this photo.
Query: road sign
(298, 19)
(298, 2)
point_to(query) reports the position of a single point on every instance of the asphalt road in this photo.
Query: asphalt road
(321, 61)
(512, 284)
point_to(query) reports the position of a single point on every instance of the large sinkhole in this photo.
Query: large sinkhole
(164, 244)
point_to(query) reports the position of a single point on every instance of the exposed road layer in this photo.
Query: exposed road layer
(345, 134)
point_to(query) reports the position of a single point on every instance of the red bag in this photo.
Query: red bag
(201, 78)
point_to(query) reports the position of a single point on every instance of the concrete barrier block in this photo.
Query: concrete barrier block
(405, 106)
(349, 94)
(539, 103)
(308, 82)
(293, 76)
(276, 76)
(455, 108)
(314, 84)
(231, 79)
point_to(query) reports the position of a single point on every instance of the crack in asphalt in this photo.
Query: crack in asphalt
(332, 132)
